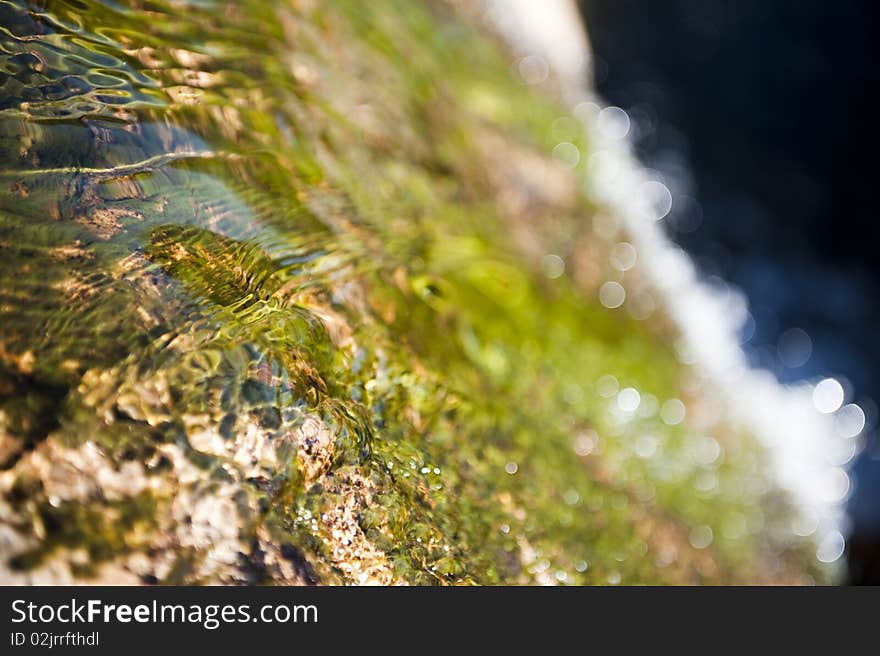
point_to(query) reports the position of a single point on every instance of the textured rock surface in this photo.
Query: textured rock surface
(296, 293)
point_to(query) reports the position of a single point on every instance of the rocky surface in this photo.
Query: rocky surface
(298, 293)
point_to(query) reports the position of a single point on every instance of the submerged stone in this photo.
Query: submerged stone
(298, 293)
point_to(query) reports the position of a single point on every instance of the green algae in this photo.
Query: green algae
(103, 531)
(246, 215)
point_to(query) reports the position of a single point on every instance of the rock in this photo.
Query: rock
(288, 318)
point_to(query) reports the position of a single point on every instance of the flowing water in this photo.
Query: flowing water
(298, 293)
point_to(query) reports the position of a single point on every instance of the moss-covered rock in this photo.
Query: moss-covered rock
(296, 293)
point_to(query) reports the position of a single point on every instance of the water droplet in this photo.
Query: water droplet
(828, 396)
(850, 420)
(607, 386)
(701, 537)
(623, 256)
(805, 524)
(707, 451)
(641, 305)
(656, 200)
(553, 266)
(613, 123)
(672, 412)
(567, 153)
(612, 294)
(628, 399)
(831, 547)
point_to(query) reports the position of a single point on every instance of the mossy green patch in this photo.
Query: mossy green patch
(337, 213)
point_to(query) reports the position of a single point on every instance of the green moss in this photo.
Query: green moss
(302, 212)
(104, 531)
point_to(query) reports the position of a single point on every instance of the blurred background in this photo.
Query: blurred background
(761, 116)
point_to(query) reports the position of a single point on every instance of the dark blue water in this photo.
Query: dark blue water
(763, 113)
